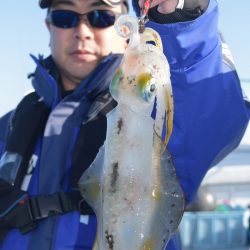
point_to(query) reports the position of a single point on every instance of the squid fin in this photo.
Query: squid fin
(90, 182)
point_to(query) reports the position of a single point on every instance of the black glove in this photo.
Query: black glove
(193, 4)
(191, 10)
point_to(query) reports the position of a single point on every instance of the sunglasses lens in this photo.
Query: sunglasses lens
(64, 19)
(101, 18)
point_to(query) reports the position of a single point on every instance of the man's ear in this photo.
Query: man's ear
(47, 24)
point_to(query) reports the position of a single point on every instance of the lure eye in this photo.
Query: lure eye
(150, 91)
(152, 88)
(147, 86)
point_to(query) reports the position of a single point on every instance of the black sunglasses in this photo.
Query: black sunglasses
(67, 19)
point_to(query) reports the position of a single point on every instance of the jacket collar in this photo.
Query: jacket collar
(46, 80)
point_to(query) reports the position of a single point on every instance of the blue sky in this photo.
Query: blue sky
(23, 32)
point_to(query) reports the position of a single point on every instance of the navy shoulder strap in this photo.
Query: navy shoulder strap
(26, 124)
(91, 136)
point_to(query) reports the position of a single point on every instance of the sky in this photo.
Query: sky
(23, 32)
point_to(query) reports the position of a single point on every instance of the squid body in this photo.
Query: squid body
(132, 185)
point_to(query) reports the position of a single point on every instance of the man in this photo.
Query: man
(55, 133)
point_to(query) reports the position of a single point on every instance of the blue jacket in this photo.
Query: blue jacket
(210, 118)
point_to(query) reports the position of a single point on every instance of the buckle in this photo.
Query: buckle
(24, 216)
(43, 206)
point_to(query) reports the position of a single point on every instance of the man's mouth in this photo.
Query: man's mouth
(83, 55)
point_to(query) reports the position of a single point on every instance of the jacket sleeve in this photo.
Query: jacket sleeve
(210, 115)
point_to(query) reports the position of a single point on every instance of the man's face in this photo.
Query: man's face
(78, 50)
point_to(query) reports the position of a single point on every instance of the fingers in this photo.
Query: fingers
(154, 3)
(164, 6)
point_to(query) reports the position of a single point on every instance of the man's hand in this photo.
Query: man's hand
(164, 6)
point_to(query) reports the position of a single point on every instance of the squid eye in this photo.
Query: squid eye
(152, 87)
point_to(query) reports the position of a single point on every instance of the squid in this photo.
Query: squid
(132, 185)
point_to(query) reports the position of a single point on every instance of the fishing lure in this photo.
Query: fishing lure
(132, 185)
(144, 14)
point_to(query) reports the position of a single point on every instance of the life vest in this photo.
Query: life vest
(17, 208)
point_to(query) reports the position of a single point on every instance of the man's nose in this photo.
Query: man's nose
(83, 30)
